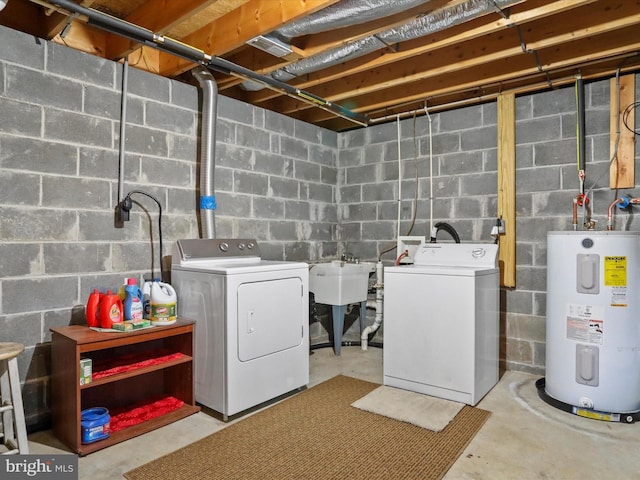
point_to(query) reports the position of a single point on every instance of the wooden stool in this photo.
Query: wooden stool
(14, 435)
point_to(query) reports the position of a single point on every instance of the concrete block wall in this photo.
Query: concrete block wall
(304, 192)
(464, 164)
(59, 166)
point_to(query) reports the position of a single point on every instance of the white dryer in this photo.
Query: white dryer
(252, 321)
(441, 322)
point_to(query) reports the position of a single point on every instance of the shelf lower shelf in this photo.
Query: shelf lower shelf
(140, 429)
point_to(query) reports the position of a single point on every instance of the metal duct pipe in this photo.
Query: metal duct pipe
(417, 28)
(344, 14)
(207, 150)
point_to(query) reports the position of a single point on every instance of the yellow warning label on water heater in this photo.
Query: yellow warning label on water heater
(615, 271)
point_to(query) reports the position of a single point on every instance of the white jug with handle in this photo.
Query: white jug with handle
(162, 303)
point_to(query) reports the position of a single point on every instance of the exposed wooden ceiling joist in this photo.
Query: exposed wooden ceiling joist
(529, 45)
(471, 55)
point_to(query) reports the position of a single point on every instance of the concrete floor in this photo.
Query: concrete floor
(523, 439)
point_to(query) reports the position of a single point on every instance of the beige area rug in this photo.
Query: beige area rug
(318, 435)
(421, 410)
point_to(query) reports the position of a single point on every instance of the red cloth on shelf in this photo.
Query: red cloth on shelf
(142, 411)
(132, 362)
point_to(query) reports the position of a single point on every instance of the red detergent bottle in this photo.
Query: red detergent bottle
(93, 308)
(110, 310)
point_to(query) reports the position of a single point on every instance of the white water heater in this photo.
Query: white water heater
(593, 320)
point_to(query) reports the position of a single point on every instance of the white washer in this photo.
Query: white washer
(441, 322)
(252, 321)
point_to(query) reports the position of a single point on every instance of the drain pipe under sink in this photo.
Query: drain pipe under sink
(379, 286)
(207, 150)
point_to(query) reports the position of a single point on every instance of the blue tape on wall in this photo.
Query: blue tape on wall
(208, 203)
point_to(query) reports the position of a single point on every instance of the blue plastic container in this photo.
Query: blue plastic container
(94, 423)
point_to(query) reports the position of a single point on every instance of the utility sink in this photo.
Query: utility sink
(340, 283)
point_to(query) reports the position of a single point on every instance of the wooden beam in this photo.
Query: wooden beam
(84, 38)
(145, 58)
(609, 45)
(54, 22)
(159, 16)
(622, 171)
(23, 16)
(309, 45)
(320, 42)
(434, 44)
(496, 46)
(233, 30)
(507, 188)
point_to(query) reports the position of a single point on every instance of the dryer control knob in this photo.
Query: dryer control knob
(224, 246)
(241, 246)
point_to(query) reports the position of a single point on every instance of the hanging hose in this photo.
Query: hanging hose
(127, 204)
(415, 196)
(401, 256)
(447, 228)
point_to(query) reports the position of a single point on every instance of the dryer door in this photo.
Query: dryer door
(270, 316)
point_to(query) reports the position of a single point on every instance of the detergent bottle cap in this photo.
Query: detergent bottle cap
(131, 281)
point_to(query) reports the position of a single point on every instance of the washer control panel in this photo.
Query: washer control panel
(457, 255)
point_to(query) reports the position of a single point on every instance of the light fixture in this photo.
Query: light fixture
(268, 44)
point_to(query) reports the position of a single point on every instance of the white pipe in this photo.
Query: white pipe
(430, 171)
(379, 286)
(399, 178)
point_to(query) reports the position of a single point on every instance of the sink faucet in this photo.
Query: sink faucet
(349, 258)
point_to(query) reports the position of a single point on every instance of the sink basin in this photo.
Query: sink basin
(340, 283)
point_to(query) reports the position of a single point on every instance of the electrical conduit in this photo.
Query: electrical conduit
(207, 150)
(123, 128)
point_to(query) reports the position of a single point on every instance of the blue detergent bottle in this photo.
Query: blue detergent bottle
(133, 307)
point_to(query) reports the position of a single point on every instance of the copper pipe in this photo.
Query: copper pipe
(610, 213)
